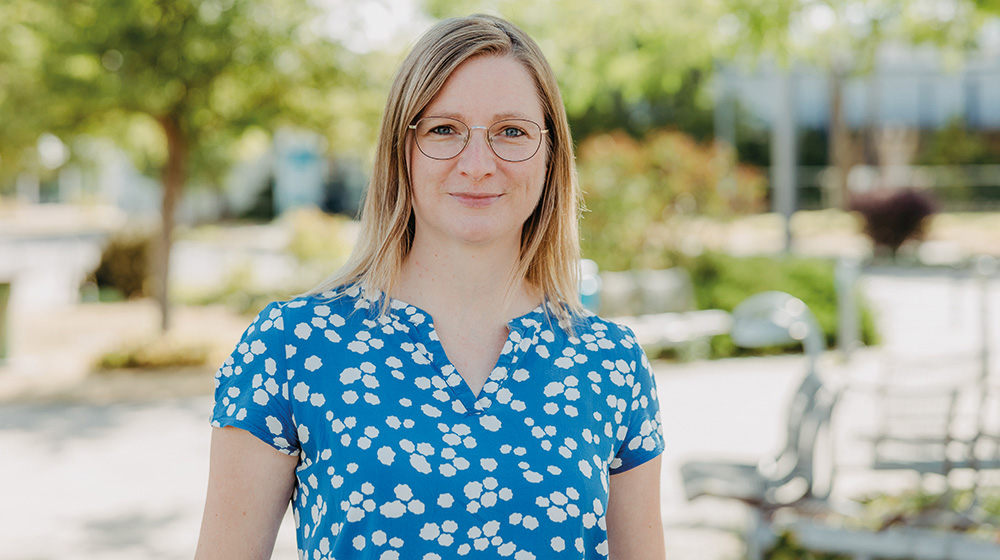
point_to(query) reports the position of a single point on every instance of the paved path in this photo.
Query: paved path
(93, 481)
(126, 480)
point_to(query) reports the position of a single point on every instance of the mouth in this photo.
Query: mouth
(476, 200)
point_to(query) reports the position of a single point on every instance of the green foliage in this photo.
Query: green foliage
(216, 68)
(318, 238)
(637, 65)
(787, 547)
(955, 144)
(988, 6)
(319, 242)
(688, 109)
(124, 266)
(155, 354)
(179, 83)
(837, 34)
(632, 189)
(239, 294)
(841, 39)
(881, 510)
(22, 113)
(722, 281)
(632, 65)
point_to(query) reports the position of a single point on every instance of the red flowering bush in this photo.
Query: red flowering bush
(894, 216)
(633, 188)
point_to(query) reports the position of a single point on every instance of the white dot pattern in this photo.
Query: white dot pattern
(399, 459)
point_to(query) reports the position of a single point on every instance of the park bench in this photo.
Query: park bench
(787, 480)
(933, 427)
(926, 431)
(659, 307)
(930, 432)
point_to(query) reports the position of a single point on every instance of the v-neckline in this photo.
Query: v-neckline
(521, 333)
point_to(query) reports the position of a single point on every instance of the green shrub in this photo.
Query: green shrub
(318, 237)
(787, 547)
(320, 243)
(722, 281)
(239, 294)
(160, 353)
(124, 270)
(958, 144)
(881, 510)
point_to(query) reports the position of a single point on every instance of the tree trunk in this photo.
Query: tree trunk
(174, 176)
(839, 142)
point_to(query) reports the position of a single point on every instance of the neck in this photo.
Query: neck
(465, 280)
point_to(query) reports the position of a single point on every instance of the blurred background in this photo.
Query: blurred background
(168, 168)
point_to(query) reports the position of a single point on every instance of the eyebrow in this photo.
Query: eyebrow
(496, 117)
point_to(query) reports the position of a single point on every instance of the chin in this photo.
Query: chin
(482, 239)
(483, 236)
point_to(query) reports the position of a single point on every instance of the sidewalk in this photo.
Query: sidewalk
(116, 468)
(127, 480)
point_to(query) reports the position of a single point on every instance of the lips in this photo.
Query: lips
(476, 200)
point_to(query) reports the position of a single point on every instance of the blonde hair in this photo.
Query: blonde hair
(550, 249)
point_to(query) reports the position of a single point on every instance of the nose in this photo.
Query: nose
(477, 160)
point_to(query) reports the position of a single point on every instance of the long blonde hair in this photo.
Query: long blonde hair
(550, 249)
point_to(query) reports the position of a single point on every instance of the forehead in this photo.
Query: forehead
(488, 87)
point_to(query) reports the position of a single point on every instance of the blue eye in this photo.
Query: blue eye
(442, 130)
(511, 132)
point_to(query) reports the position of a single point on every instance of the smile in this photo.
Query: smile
(476, 200)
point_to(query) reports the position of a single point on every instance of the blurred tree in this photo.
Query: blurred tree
(632, 65)
(844, 37)
(178, 83)
(21, 115)
(988, 6)
(637, 65)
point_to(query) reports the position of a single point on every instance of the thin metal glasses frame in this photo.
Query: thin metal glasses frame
(489, 140)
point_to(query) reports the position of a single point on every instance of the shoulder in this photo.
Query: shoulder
(336, 305)
(341, 316)
(595, 334)
(334, 308)
(588, 324)
(610, 329)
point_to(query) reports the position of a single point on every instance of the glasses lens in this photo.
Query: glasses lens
(441, 137)
(515, 139)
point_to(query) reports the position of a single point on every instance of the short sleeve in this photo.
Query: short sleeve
(251, 387)
(643, 434)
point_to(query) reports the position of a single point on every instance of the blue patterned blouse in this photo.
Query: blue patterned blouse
(399, 459)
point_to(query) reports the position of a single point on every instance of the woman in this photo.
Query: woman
(445, 395)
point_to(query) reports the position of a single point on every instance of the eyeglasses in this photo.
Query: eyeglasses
(510, 139)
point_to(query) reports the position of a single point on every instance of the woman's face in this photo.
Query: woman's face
(476, 198)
